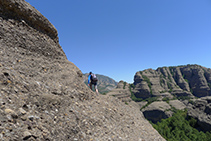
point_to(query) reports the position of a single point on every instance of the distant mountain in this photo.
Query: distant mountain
(104, 84)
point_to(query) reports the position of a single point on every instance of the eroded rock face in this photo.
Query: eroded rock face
(43, 95)
(180, 81)
(122, 92)
(23, 26)
(177, 104)
(200, 109)
(157, 110)
(197, 80)
(25, 13)
(142, 89)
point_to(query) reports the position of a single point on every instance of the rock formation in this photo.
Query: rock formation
(43, 95)
(158, 110)
(179, 82)
(122, 92)
(189, 81)
(200, 109)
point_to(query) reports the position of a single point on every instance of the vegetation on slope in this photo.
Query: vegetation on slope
(180, 127)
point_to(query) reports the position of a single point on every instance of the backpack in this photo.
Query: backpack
(94, 78)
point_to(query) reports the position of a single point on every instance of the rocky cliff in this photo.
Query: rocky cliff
(178, 87)
(200, 109)
(43, 95)
(190, 80)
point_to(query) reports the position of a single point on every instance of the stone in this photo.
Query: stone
(22, 111)
(26, 135)
(9, 111)
(177, 104)
(156, 111)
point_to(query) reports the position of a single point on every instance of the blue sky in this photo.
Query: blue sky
(117, 38)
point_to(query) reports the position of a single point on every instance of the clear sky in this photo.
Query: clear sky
(117, 38)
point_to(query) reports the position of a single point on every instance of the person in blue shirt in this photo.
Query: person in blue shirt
(92, 80)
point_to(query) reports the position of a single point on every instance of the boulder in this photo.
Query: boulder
(177, 104)
(157, 111)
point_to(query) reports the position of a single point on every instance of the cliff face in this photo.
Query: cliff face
(166, 84)
(200, 109)
(180, 81)
(43, 95)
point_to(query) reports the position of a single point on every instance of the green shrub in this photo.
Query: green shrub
(183, 97)
(149, 101)
(132, 86)
(133, 97)
(166, 99)
(209, 85)
(187, 81)
(124, 85)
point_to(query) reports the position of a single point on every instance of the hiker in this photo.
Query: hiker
(92, 80)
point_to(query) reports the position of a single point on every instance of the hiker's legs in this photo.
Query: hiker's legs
(96, 88)
(90, 85)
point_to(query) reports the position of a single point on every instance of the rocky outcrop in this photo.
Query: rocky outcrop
(180, 81)
(122, 92)
(28, 15)
(142, 90)
(157, 110)
(43, 95)
(195, 75)
(19, 20)
(200, 109)
(177, 104)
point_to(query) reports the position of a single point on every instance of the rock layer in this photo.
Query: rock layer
(122, 92)
(180, 81)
